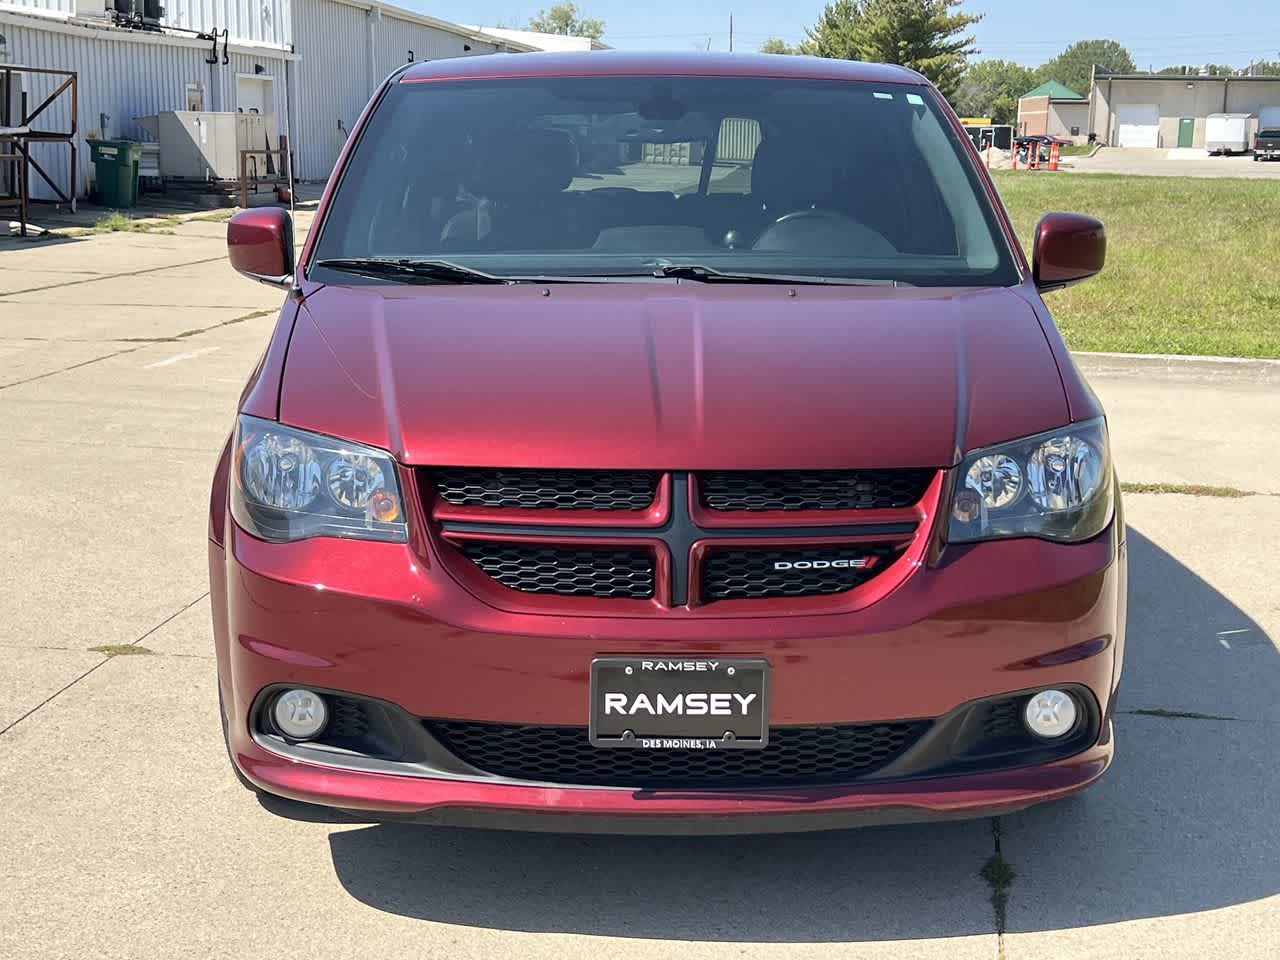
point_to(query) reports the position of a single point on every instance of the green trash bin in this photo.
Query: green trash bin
(116, 164)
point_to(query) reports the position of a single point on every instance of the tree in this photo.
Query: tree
(925, 35)
(563, 19)
(1074, 65)
(991, 88)
(832, 35)
(774, 45)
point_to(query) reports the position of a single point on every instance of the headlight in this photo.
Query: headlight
(1055, 485)
(289, 484)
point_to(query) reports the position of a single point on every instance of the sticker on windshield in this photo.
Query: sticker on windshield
(882, 96)
(915, 98)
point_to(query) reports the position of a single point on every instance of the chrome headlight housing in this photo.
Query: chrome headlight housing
(289, 484)
(1056, 485)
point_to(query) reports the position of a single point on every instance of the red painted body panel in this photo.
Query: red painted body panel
(379, 618)
(664, 376)
(1081, 400)
(261, 394)
(409, 635)
(965, 796)
(685, 376)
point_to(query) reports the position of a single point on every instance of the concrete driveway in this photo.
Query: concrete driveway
(124, 833)
(1156, 163)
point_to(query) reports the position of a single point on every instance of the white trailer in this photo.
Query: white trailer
(1226, 133)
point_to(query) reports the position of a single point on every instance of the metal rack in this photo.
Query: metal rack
(19, 130)
(251, 179)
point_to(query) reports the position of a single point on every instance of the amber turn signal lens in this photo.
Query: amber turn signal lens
(383, 507)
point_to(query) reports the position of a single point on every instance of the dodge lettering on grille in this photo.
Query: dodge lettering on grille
(857, 563)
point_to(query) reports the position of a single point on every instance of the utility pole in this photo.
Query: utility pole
(731, 33)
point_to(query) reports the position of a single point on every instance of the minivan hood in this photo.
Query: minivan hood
(671, 375)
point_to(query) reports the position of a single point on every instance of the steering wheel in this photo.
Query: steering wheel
(811, 213)
(819, 231)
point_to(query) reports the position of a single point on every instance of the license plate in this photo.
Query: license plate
(687, 703)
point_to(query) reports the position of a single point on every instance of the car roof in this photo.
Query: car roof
(616, 63)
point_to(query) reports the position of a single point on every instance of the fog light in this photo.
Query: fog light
(300, 714)
(1050, 713)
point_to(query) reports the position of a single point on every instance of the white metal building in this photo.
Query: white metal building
(345, 48)
(1166, 111)
(551, 42)
(310, 63)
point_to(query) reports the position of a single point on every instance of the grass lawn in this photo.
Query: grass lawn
(1193, 265)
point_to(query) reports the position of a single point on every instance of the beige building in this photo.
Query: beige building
(1145, 110)
(1068, 119)
(1054, 110)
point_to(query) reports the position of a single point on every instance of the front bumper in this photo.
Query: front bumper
(383, 621)
(379, 797)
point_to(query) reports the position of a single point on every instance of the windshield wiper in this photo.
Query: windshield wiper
(410, 270)
(705, 274)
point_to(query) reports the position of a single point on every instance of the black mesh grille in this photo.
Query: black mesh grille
(812, 489)
(1003, 719)
(751, 573)
(347, 719)
(546, 489)
(795, 756)
(566, 571)
(996, 728)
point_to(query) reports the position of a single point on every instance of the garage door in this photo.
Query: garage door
(1138, 125)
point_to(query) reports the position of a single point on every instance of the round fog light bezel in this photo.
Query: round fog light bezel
(1051, 714)
(300, 714)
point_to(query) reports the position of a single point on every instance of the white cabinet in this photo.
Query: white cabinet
(200, 145)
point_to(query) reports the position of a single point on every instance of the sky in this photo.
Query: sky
(1157, 32)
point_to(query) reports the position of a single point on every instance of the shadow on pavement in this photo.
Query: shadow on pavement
(1184, 821)
(886, 883)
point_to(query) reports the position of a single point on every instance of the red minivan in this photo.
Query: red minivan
(671, 443)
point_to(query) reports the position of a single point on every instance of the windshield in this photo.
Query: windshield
(621, 176)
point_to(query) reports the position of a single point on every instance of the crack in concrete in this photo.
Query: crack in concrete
(142, 341)
(133, 273)
(106, 659)
(5, 645)
(1178, 714)
(74, 366)
(999, 875)
(1189, 490)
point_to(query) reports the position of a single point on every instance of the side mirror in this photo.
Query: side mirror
(1069, 247)
(260, 245)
